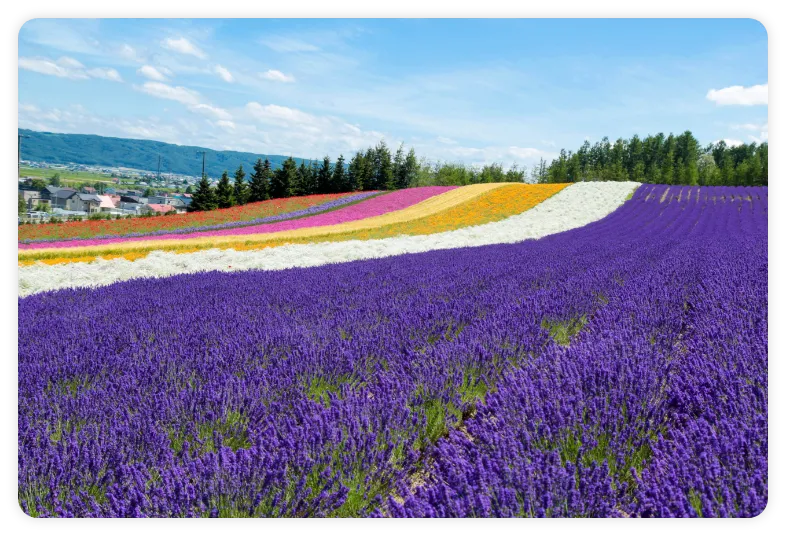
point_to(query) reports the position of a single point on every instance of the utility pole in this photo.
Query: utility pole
(203, 162)
(158, 173)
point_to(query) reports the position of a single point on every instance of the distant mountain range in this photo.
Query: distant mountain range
(137, 154)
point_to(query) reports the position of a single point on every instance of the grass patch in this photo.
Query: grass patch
(320, 388)
(562, 331)
(695, 501)
(231, 428)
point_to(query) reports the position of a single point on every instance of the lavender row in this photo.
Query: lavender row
(564, 376)
(658, 407)
(310, 211)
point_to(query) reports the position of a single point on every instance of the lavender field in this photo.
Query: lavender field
(618, 369)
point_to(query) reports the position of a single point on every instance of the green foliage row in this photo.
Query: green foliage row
(660, 159)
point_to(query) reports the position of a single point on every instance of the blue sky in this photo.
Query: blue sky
(476, 91)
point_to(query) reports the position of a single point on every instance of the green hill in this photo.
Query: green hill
(138, 154)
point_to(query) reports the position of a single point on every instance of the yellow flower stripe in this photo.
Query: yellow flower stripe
(493, 206)
(462, 207)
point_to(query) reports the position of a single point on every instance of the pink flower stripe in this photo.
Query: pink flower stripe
(376, 206)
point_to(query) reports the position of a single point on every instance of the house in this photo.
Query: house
(107, 205)
(88, 190)
(176, 202)
(157, 209)
(115, 199)
(31, 196)
(131, 208)
(133, 199)
(63, 198)
(159, 199)
(52, 189)
(86, 203)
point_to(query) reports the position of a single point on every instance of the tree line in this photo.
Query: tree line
(656, 159)
(660, 159)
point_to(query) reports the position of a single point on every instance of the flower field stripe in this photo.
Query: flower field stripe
(298, 214)
(574, 206)
(492, 206)
(360, 207)
(618, 369)
(53, 232)
(429, 206)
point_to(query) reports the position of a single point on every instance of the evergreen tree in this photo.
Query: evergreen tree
(299, 185)
(339, 177)
(667, 169)
(398, 168)
(539, 172)
(282, 178)
(224, 192)
(204, 198)
(324, 183)
(383, 168)
(637, 173)
(727, 169)
(189, 189)
(744, 173)
(355, 173)
(411, 169)
(754, 166)
(260, 180)
(763, 154)
(241, 192)
(368, 172)
(313, 177)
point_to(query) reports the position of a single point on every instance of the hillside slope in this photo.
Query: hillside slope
(94, 150)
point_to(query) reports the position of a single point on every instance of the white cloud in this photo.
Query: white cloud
(504, 155)
(70, 63)
(277, 76)
(287, 44)
(446, 141)
(226, 125)
(278, 114)
(148, 71)
(183, 46)
(730, 142)
(128, 52)
(211, 111)
(66, 67)
(77, 120)
(71, 35)
(289, 130)
(63, 68)
(106, 74)
(175, 93)
(527, 153)
(224, 74)
(761, 131)
(739, 95)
